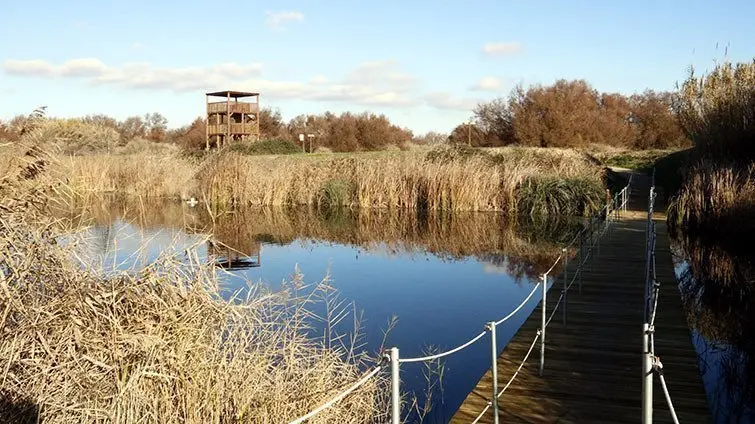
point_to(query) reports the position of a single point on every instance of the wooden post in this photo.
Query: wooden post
(207, 123)
(227, 118)
(257, 121)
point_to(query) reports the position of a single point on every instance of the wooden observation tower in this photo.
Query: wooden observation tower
(231, 119)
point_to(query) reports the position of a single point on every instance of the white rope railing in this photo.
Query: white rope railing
(340, 396)
(652, 364)
(619, 203)
(521, 305)
(395, 360)
(481, 414)
(521, 365)
(440, 355)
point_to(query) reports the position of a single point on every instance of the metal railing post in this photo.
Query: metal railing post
(395, 387)
(647, 376)
(494, 360)
(589, 249)
(566, 281)
(542, 325)
(581, 259)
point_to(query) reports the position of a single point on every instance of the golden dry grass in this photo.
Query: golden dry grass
(141, 174)
(445, 180)
(157, 346)
(716, 199)
(436, 180)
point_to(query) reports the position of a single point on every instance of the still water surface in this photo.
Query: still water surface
(716, 282)
(443, 277)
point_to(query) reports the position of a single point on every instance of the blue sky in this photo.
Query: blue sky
(422, 63)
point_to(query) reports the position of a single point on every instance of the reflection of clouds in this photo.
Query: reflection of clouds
(490, 268)
(121, 245)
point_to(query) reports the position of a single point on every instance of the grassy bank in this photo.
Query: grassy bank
(157, 346)
(717, 192)
(514, 180)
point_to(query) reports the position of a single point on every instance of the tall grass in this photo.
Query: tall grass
(141, 174)
(716, 199)
(718, 112)
(159, 345)
(449, 181)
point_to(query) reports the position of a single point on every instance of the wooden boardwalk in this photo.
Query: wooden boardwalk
(593, 363)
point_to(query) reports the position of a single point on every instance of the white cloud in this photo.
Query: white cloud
(278, 20)
(502, 48)
(319, 79)
(440, 100)
(379, 83)
(135, 75)
(488, 84)
(84, 67)
(137, 46)
(380, 73)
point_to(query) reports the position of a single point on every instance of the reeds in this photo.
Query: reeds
(716, 199)
(717, 110)
(718, 191)
(137, 175)
(158, 345)
(448, 182)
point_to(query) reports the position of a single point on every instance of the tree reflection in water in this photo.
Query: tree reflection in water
(717, 289)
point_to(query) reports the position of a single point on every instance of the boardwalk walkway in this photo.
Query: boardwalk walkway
(593, 363)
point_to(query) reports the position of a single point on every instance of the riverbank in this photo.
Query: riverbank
(159, 345)
(513, 180)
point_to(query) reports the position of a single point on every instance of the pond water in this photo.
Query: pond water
(442, 277)
(716, 282)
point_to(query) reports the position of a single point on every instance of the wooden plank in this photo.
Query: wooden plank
(593, 363)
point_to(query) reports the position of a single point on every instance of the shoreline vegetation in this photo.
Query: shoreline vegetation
(160, 344)
(512, 180)
(714, 194)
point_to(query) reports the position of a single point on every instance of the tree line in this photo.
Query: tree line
(573, 114)
(563, 114)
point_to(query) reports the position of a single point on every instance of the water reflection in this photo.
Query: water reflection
(717, 290)
(442, 275)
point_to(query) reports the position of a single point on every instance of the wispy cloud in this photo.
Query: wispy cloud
(492, 84)
(502, 48)
(278, 20)
(440, 100)
(376, 83)
(137, 46)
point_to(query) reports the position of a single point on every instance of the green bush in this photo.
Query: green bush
(552, 195)
(265, 147)
(337, 192)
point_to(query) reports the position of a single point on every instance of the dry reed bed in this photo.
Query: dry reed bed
(476, 182)
(160, 345)
(716, 198)
(144, 175)
(718, 112)
(453, 181)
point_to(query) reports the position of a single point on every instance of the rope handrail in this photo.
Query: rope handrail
(521, 365)
(340, 396)
(511, 379)
(651, 362)
(558, 259)
(484, 410)
(598, 224)
(521, 305)
(446, 353)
